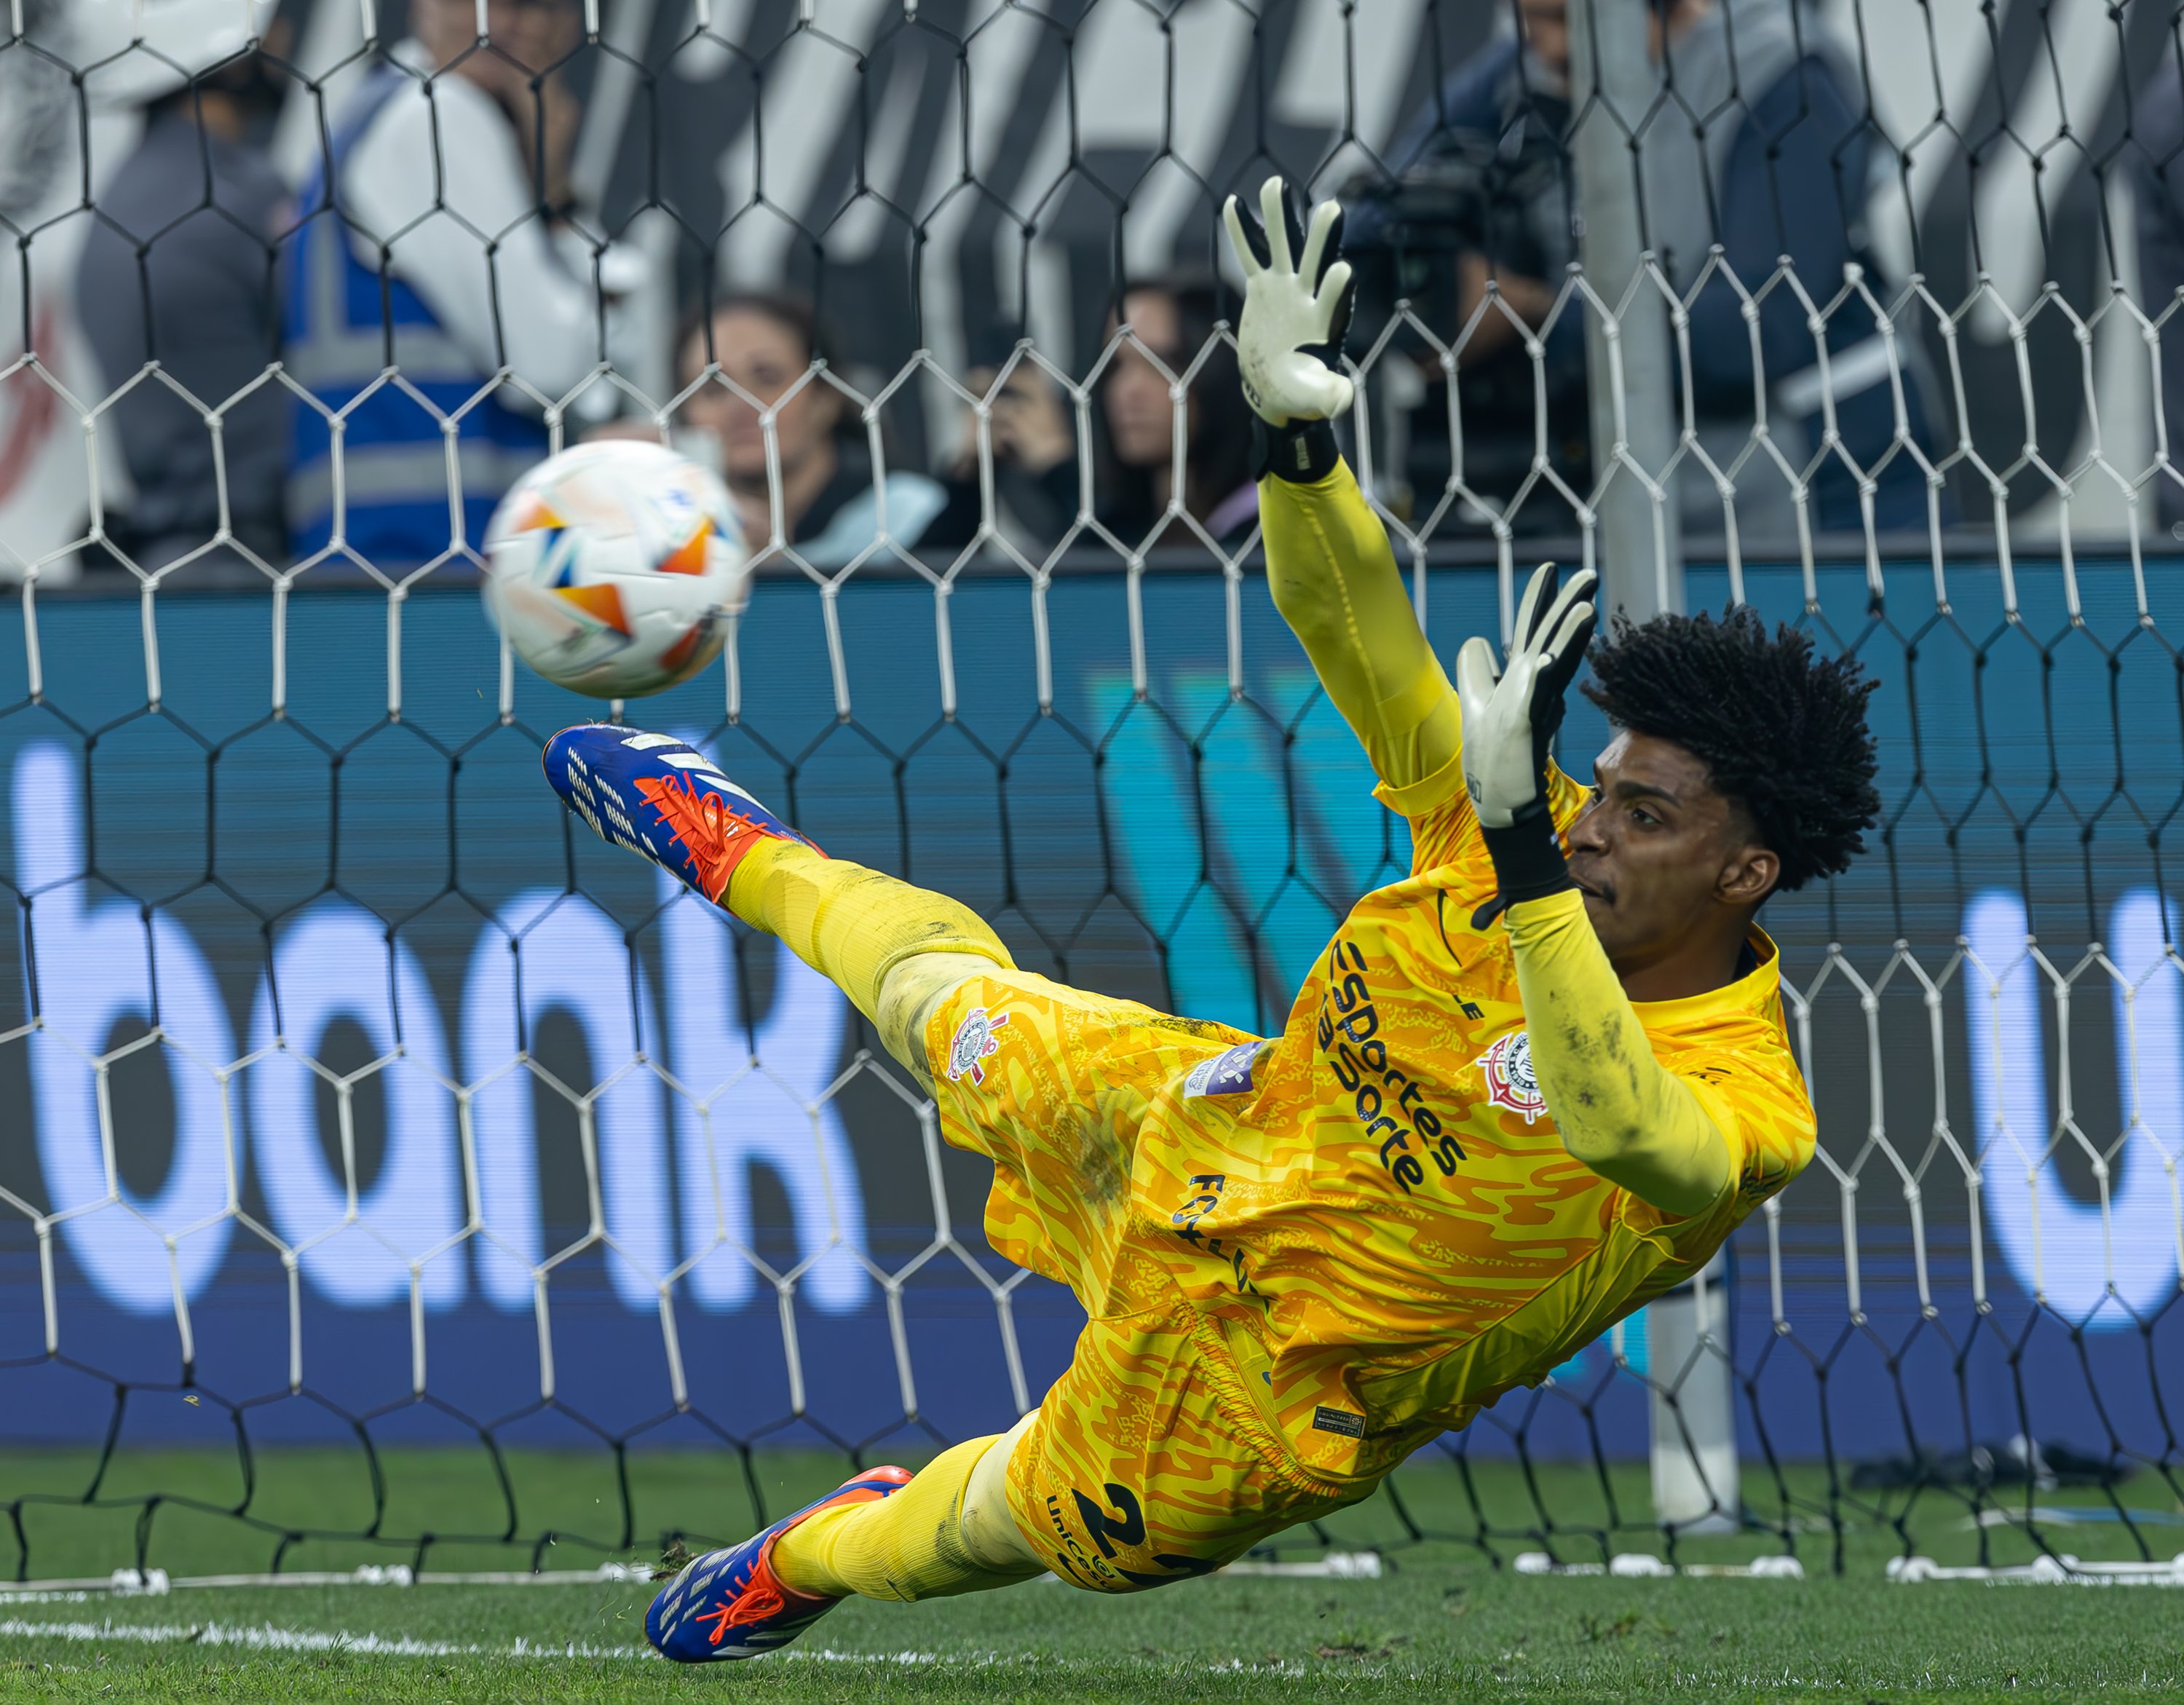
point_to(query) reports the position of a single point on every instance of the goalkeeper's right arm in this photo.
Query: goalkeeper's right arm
(1332, 574)
(1335, 583)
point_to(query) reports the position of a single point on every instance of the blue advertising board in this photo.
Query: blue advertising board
(363, 1082)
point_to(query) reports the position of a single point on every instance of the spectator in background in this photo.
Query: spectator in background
(1778, 168)
(1482, 193)
(434, 217)
(764, 343)
(1174, 319)
(1035, 470)
(179, 268)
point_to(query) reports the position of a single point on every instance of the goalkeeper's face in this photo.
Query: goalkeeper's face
(1665, 861)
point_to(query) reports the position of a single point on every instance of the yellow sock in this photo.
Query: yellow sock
(854, 926)
(913, 1543)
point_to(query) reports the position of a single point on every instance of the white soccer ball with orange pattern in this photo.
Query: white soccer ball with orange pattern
(613, 568)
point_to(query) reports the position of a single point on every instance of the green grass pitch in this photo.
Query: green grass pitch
(1443, 1623)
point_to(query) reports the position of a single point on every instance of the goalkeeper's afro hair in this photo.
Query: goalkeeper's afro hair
(1781, 732)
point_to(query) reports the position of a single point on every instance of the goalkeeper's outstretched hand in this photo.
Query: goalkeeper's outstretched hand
(1298, 297)
(1509, 721)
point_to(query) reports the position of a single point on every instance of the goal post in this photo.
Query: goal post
(1631, 373)
(1691, 1405)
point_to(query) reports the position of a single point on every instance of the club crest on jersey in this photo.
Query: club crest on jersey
(974, 1043)
(1510, 1082)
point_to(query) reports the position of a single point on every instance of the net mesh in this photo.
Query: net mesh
(374, 1116)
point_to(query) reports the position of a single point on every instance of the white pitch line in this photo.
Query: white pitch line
(266, 1637)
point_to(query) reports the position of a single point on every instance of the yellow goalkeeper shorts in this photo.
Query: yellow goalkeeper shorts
(1147, 1464)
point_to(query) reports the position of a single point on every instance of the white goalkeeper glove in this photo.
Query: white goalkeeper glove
(1298, 297)
(1509, 723)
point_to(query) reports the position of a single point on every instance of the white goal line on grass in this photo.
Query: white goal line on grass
(266, 1637)
(157, 1583)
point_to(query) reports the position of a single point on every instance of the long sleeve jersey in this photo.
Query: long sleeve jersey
(1381, 1208)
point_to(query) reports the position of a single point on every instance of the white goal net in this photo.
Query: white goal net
(366, 1111)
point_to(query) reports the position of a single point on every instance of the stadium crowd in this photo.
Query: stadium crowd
(432, 245)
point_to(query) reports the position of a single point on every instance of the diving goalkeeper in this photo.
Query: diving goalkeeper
(1526, 1088)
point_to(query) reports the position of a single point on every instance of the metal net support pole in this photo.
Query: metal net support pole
(1693, 1406)
(1630, 380)
(1614, 85)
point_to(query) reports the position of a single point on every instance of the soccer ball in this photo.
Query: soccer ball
(613, 568)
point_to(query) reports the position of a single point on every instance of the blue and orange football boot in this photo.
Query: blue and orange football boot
(662, 798)
(731, 1603)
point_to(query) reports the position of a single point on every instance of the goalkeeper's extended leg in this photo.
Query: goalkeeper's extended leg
(886, 1534)
(948, 1532)
(895, 950)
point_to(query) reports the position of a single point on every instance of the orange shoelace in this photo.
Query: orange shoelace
(716, 836)
(756, 1603)
(765, 1596)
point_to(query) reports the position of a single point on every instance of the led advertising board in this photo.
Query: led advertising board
(446, 1097)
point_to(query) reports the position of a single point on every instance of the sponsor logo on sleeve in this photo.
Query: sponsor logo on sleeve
(974, 1043)
(1507, 1067)
(1225, 1074)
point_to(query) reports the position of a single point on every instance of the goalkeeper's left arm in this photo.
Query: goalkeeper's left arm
(1615, 1107)
(1328, 565)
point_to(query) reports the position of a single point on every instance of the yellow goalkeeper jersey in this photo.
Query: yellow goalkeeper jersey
(1374, 1207)
(1304, 1256)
